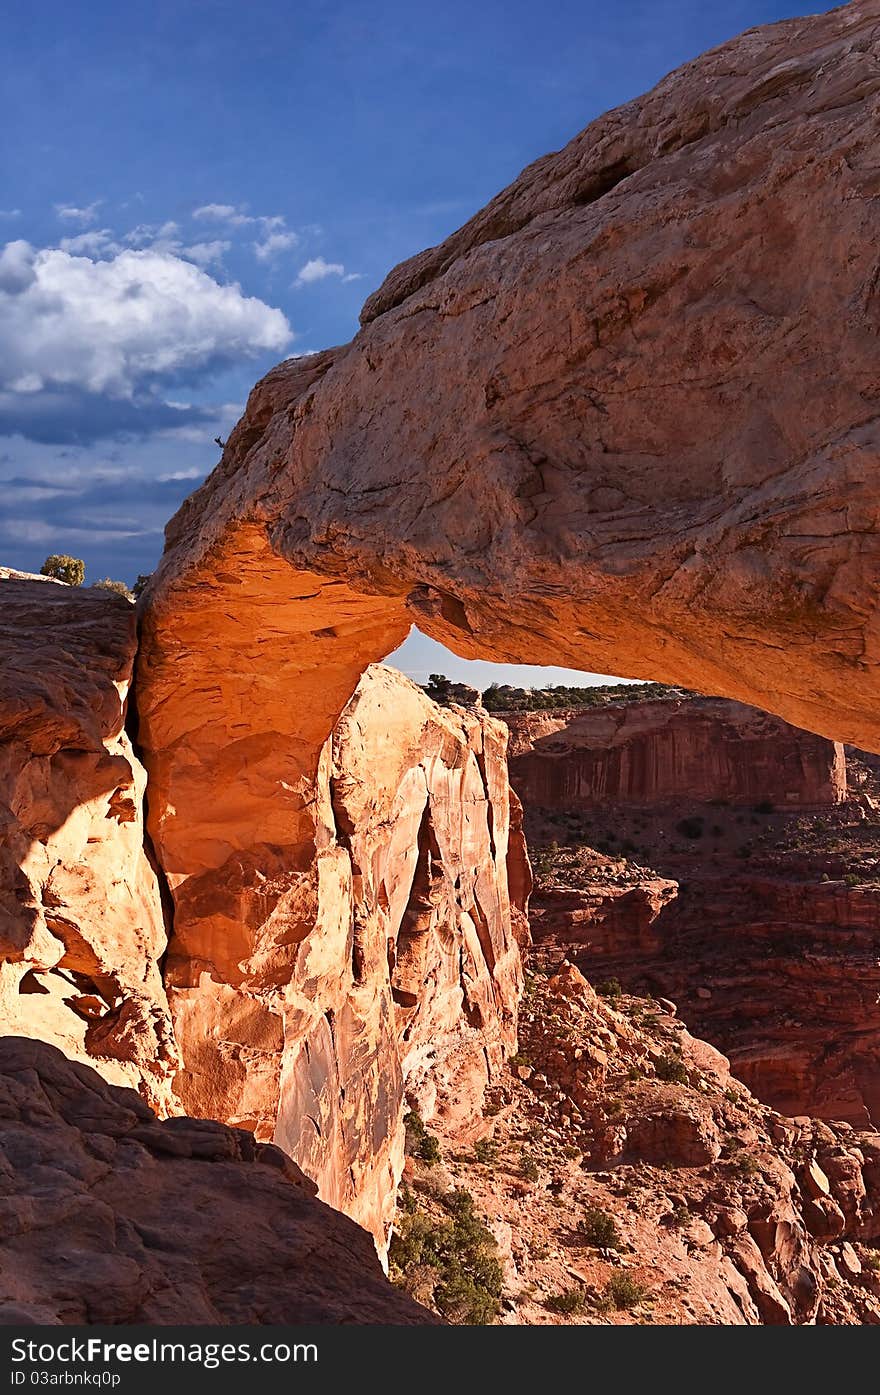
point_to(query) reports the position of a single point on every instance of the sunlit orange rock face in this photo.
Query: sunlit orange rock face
(677, 749)
(81, 923)
(306, 1000)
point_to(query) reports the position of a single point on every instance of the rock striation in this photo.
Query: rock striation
(81, 920)
(673, 750)
(760, 920)
(110, 1216)
(308, 1002)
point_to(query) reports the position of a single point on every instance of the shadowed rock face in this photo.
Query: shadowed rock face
(648, 752)
(112, 1217)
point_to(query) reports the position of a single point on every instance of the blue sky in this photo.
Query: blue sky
(191, 190)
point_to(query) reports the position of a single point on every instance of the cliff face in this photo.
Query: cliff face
(81, 924)
(762, 923)
(307, 1002)
(677, 749)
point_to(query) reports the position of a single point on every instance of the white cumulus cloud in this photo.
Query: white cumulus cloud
(72, 214)
(317, 269)
(116, 325)
(206, 253)
(273, 244)
(224, 213)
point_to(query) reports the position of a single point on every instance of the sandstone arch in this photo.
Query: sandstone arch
(625, 420)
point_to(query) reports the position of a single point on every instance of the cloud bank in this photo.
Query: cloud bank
(118, 325)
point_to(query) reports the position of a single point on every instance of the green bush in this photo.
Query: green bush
(485, 1150)
(670, 1068)
(419, 1142)
(118, 587)
(600, 1229)
(610, 988)
(623, 1291)
(570, 1300)
(462, 1252)
(141, 584)
(70, 570)
(529, 1168)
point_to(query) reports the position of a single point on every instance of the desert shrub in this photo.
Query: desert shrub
(462, 1252)
(600, 1229)
(623, 1291)
(118, 587)
(528, 1167)
(851, 879)
(670, 1068)
(691, 827)
(70, 570)
(871, 1261)
(141, 584)
(746, 1166)
(485, 1150)
(570, 1300)
(610, 988)
(419, 1142)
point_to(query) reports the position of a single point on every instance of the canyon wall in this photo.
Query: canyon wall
(675, 749)
(781, 972)
(81, 920)
(711, 855)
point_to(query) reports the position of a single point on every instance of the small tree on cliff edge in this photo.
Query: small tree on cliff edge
(70, 570)
(438, 686)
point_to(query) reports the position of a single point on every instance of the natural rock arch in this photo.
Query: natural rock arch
(625, 420)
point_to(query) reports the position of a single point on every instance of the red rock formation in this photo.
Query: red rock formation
(81, 926)
(112, 1217)
(676, 749)
(622, 421)
(745, 920)
(452, 466)
(621, 1148)
(307, 1001)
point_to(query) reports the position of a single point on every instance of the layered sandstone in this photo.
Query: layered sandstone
(309, 1000)
(81, 921)
(761, 922)
(672, 750)
(112, 1217)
